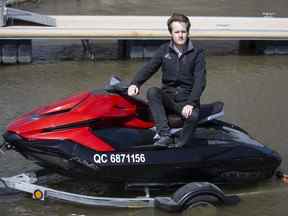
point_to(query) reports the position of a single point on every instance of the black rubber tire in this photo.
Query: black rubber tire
(182, 191)
(194, 194)
(201, 208)
(200, 200)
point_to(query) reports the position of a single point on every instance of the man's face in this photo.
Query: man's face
(179, 33)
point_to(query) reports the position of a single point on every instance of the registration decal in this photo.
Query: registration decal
(120, 158)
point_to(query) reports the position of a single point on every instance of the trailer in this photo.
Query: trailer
(189, 195)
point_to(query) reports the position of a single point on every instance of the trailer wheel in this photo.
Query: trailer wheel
(202, 193)
(193, 195)
(201, 201)
(200, 208)
(197, 194)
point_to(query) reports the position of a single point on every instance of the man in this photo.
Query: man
(183, 81)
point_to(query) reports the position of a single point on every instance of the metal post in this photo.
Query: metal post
(3, 12)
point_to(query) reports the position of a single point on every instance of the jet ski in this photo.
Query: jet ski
(107, 136)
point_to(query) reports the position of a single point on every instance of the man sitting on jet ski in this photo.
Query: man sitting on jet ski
(183, 81)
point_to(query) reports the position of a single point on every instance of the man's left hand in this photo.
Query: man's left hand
(187, 111)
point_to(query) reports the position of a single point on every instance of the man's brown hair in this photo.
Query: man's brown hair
(178, 18)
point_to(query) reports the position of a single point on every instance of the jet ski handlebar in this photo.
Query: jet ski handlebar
(119, 88)
(116, 85)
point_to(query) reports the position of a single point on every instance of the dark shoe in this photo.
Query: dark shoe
(179, 144)
(164, 141)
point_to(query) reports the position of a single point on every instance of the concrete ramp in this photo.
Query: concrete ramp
(10, 16)
(2, 12)
(16, 16)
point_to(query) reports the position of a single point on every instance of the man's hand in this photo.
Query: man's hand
(133, 90)
(187, 111)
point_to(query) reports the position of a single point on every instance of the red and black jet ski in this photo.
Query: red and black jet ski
(107, 136)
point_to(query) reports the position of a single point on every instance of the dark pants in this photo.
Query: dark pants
(161, 104)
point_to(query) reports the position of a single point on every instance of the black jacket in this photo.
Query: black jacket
(183, 78)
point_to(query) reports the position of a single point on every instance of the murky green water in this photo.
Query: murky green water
(253, 89)
(160, 7)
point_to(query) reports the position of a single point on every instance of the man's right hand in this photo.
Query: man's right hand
(133, 90)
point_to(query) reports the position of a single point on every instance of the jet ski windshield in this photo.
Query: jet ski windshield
(116, 85)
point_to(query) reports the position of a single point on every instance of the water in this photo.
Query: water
(253, 89)
(158, 7)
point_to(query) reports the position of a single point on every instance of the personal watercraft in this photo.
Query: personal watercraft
(107, 136)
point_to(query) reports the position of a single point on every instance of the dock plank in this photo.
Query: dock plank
(152, 27)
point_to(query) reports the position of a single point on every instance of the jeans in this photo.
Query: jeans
(161, 104)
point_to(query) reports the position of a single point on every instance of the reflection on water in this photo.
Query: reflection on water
(252, 88)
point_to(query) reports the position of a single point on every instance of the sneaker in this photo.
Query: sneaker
(164, 141)
(179, 144)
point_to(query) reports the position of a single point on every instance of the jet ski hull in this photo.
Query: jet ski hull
(217, 159)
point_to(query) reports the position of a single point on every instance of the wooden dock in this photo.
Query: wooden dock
(151, 27)
(135, 34)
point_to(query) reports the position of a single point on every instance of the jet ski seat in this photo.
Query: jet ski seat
(207, 113)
